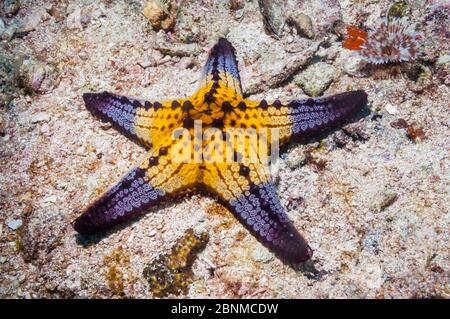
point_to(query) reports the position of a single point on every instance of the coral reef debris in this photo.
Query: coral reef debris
(171, 273)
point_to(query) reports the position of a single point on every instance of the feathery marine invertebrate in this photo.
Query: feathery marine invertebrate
(242, 185)
(392, 41)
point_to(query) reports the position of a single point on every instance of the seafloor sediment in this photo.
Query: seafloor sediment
(372, 198)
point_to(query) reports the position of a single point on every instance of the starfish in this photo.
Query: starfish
(174, 165)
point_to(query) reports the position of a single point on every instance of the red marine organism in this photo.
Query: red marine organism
(355, 38)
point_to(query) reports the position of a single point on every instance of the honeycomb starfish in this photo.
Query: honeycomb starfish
(237, 173)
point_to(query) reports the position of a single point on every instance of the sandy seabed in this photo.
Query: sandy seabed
(372, 198)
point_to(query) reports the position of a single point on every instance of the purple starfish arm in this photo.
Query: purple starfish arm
(314, 114)
(261, 213)
(128, 198)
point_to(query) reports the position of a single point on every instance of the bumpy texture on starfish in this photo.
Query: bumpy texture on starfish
(242, 185)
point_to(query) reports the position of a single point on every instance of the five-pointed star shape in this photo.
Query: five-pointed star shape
(244, 186)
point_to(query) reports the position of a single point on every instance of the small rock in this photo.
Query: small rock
(345, 3)
(31, 75)
(443, 69)
(296, 158)
(243, 290)
(14, 224)
(290, 39)
(223, 31)
(420, 75)
(36, 77)
(399, 123)
(176, 49)
(339, 28)
(200, 228)
(371, 242)
(154, 12)
(238, 14)
(316, 78)
(391, 109)
(418, 72)
(234, 5)
(45, 128)
(81, 151)
(108, 157)
(3, 260)
(147, 62)
(387, 199)
(443, 59)
(341, 139)
(58, 12)
(8, 75)
(261, 254)
(10, 31)
(398, 10)
(272, 16)
(32, 21)
(161, 14)
(22, 278)
(328, 52)
(74, 20)
(60, 185)
(2, 26)
(87, 14)
(40, 117)
(352, 64)
(98, 143)
(152, 233)
(303, 24)
(51, 199)
(92, 183)
(356, 130)
(186, 63)
(187, 29)
(11, 7)
(98, 10)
